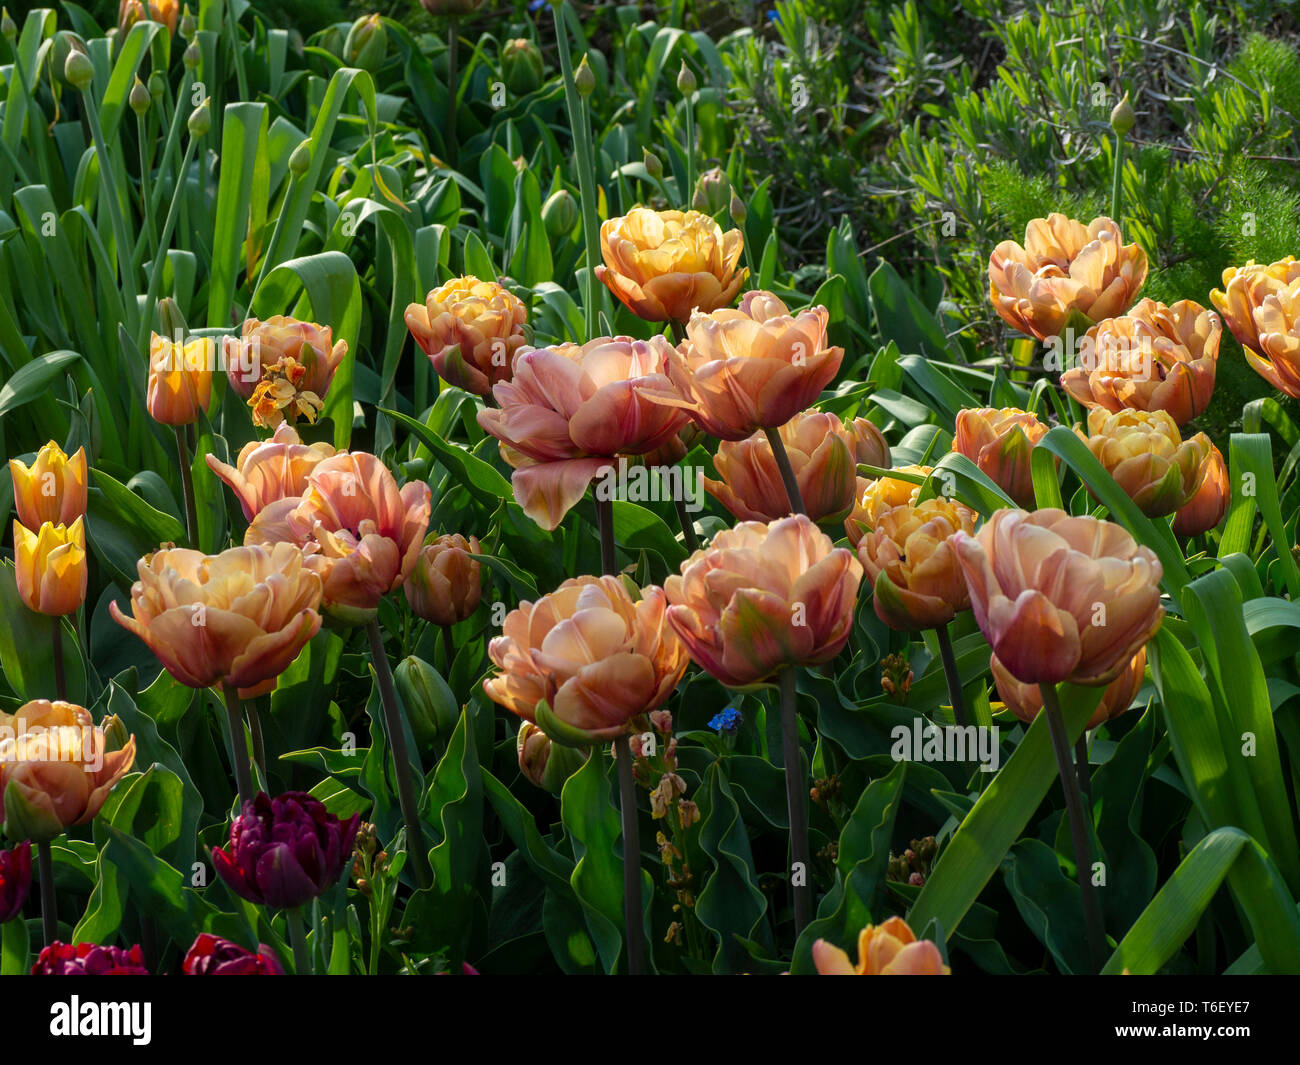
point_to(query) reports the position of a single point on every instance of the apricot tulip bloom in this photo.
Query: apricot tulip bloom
(1148, 457)
(585, 660)
(889, 949)
(50, 567)
(1025, 700)
(55, 768)
(754, 368)
(1064, 266)
(270, 470)
(1207, 507)
(446, 584)
(359, 533)
(264, 344)
(911, 562)
(823, 454)
(875, 495)
(1152, 358)
(663, 265)
(999, 442)
(180, 379)
(237, 618)
(471, 330)
(53, 489)
(1277, 319)
(1058, 597)
(1244, 290)
(760, 597)
(569, 410)
(129, 12)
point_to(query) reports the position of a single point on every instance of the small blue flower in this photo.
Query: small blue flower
(729, 721)
(537, 5)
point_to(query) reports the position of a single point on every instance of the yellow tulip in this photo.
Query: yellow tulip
(50, 566)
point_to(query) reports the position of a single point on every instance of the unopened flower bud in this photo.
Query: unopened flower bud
(737, 209)
(653, 166)
(139, 98)
(584, 79)
(712, 192)
(193, 56)
(560, 214)
(7, 25)
(79, 70)
(300, 160)
(188, 26)
(686, 82)
(201, 120)
(1122, 118)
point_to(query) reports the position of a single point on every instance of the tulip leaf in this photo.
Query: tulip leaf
(468, 469)
(1251, 476)
(551, 866)
(33, 380)
(998, 817)
(157, 527)
(902, 317)
(860, 867)
(1049, 903)
(27, 646)
(637, 527)
(1226, 853)
(938, 387)
(730, 904)
(15, 946)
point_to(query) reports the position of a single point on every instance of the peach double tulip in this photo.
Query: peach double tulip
(264, 344)
(755, 367)
(1149, 459)
(56, 768)
(911, 562)
(889, 949)
(358, 531)
(1244, 290)
(129, 12)
(1207, 507)
(270, 470)
(1277, 356)
(585, 660)
(180, 379)
(446, 584)
(1061, 598)
(1025, 700)
(471, 330)
(569, 410)
(663, 265)
(53, 489)
(237, 618)
(999, 442)
(875, 495)
(50, 567)
(1152, 358)
(761, 597)
(823, 454)
(1064, 267)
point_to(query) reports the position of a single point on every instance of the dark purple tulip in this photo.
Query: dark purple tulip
(89, 959)
(285, 851)
(15, 880)
(213, 956)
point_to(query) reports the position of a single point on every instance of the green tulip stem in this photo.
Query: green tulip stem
(108, 194)
(298, 937)
(953, 677)
(187, 486)
(688, 526)
(787, 472)
(145, 198)
(448, 647)
(406, 798)
(238, 744)
(60, 673)
(584, 163)
(631, 859)
(49, 907)
(232, 32)
(453, 83)
(1081, 767)
(689, 191)
(1114, 181)
(1079, 833)
(605, 523)
(255, 728)
(796, 794)
(164, 241)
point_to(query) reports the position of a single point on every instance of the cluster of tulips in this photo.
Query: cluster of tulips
(1060, 599)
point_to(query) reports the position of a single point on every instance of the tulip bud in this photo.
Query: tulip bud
(1122, 118)
(584, 79)
(653, 166)
(686, 83)
(712, 192)
(521, 65)
(445, 584)
(7, 25)
(430, 705)
(560, 214)
(737, 209)
(15, 876)
(188, 26)
(366, 46)
(300, 160)
(79, 70)
(89, 959)
(116, 734)
(171, 319)
(546, 764)
(139, 98)
(201, 120)
(193, 55)
(27, 817)
(157, 86)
